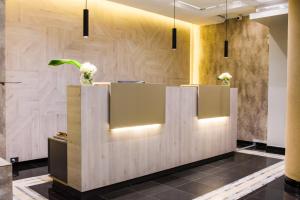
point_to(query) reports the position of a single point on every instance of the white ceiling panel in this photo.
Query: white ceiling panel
(199, 11)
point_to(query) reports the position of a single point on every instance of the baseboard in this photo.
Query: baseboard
(260, 146)
(27, 165)
(276, 150)
(257, 145)
(291, 186)
(243, 143)
(76, 195)
(31, 162)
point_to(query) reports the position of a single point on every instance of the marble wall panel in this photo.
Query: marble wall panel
(248, 63)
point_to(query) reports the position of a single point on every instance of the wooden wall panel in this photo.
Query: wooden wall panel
(124, 43)
(2, 79)
(2, 122)
(248, 63)
(111, 156)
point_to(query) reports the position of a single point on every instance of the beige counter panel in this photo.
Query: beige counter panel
(133, 104)
(213, 101)
(74, 137)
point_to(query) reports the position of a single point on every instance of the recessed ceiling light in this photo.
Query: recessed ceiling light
(210, 7)
(237, 4)
(189, 5)
(268, 11)
(233, 5)
(273, 7)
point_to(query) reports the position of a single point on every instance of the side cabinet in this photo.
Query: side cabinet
(57, 152)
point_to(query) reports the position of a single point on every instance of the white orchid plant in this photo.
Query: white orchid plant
(225, 78)
(86, 69)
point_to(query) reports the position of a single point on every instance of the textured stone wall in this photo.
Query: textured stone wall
(2, 79)
(248, 63)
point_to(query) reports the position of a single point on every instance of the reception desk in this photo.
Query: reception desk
(104, 147)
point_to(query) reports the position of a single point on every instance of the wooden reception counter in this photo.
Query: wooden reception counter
(172, 133)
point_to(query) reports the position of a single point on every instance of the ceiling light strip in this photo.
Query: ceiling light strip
(189, 5)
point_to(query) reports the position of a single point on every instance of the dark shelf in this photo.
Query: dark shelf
(3, 83)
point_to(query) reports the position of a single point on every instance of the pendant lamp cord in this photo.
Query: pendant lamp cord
(226, 18)
(174, 13)
(86, 4)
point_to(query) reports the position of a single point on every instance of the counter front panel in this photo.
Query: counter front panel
(213, 101)
(134, 104)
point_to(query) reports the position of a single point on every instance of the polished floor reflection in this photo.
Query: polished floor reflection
(183, 185)
(30, 169)
(272, 191)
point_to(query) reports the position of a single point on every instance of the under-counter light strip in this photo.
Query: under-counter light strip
(136, 128)
(215, 119)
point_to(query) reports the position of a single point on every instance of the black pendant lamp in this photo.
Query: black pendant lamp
(86, 21)
(174, 31)
(226, 40)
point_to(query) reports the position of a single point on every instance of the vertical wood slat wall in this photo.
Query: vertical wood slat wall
(2, 79)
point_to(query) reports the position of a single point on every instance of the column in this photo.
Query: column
(292, 168)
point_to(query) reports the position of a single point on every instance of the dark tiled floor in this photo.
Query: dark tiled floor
(182, 185)
(272, 191)
(30, 169)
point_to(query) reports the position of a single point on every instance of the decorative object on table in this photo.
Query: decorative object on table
(61, 136)
(225, 78)
(87, 70)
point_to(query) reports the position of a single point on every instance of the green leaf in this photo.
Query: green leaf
(65, 61)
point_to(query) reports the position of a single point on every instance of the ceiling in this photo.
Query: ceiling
(200, 11)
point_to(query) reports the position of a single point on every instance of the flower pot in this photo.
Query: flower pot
(86, 79)
(226, 82)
